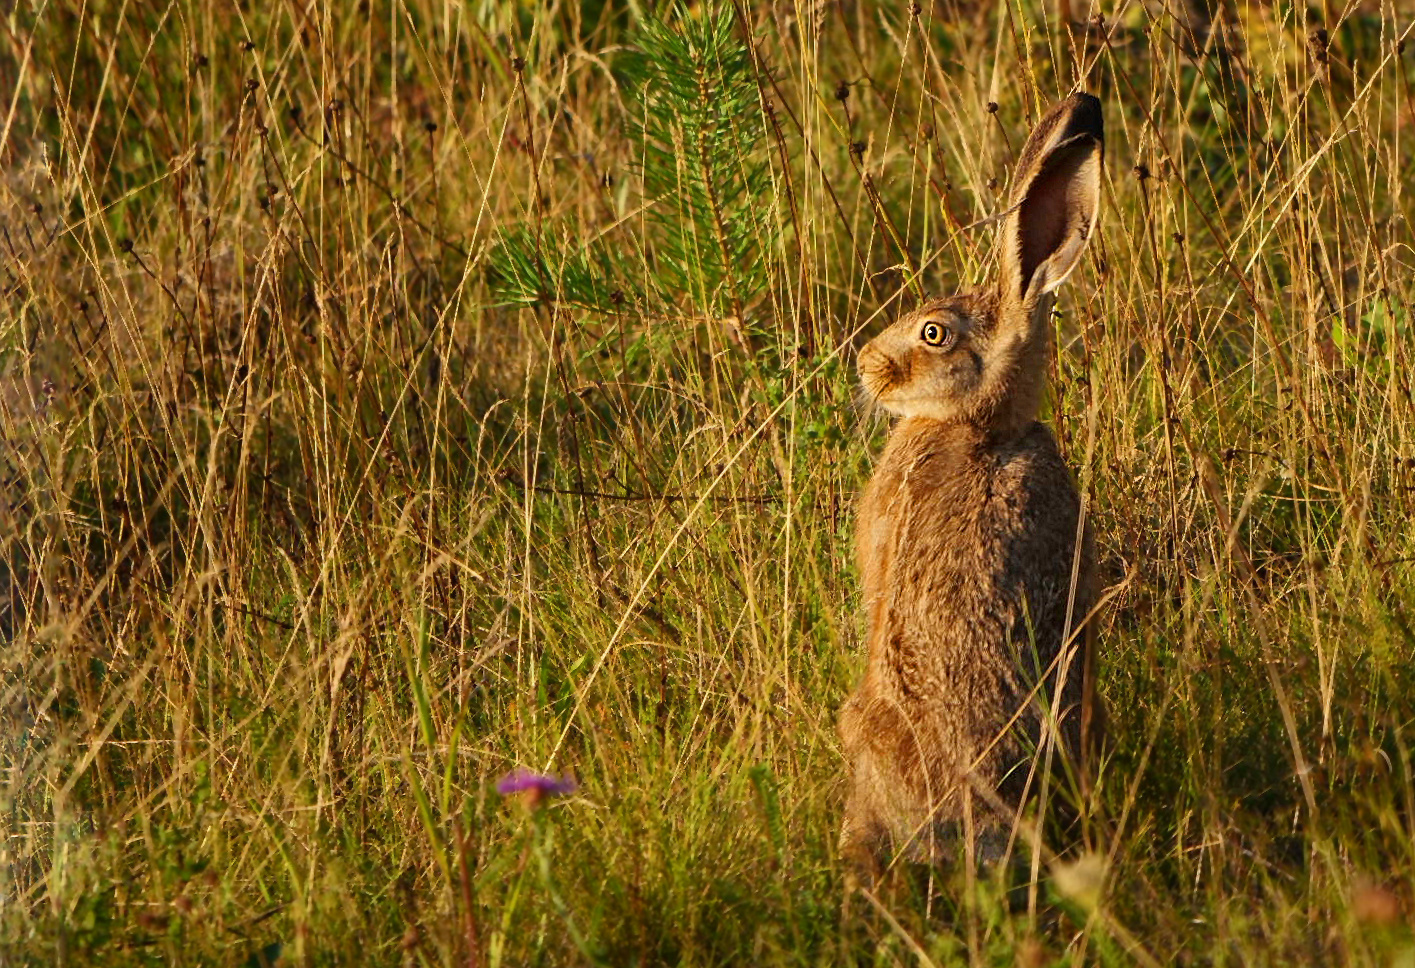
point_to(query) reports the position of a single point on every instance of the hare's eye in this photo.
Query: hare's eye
(935, 334)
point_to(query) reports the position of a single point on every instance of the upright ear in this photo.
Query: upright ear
(1055, 197)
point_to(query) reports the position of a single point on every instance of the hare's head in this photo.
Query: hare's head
(980, 357)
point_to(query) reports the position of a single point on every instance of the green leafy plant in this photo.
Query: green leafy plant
(697, 135)
(700, 144)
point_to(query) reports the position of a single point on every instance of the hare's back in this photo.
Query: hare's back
(983, 543)
(1035, 510)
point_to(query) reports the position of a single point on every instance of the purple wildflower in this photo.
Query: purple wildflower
(535, 787)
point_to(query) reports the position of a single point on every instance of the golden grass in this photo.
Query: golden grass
(311, 531)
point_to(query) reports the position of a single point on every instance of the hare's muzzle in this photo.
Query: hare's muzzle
(879, 372)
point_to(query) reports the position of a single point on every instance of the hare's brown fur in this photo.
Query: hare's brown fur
(966, 537)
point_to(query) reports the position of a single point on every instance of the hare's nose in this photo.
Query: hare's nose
(880, 367)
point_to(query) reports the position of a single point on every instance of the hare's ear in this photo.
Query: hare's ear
(1055, 197)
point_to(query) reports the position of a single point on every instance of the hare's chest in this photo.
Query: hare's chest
(993, 531)
(931, 518)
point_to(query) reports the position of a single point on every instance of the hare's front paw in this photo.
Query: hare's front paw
(863, 840)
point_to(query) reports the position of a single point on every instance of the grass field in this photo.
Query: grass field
(395, 396)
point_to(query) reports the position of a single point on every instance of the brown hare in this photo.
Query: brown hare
(966, 538)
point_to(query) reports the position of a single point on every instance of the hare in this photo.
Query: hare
(966, 537)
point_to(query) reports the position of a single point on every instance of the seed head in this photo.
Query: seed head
(1080, 880)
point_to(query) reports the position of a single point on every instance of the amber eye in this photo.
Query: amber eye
(935, 334)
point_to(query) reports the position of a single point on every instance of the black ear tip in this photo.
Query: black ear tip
(1084, 116)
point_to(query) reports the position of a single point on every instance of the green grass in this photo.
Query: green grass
(387, 400)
